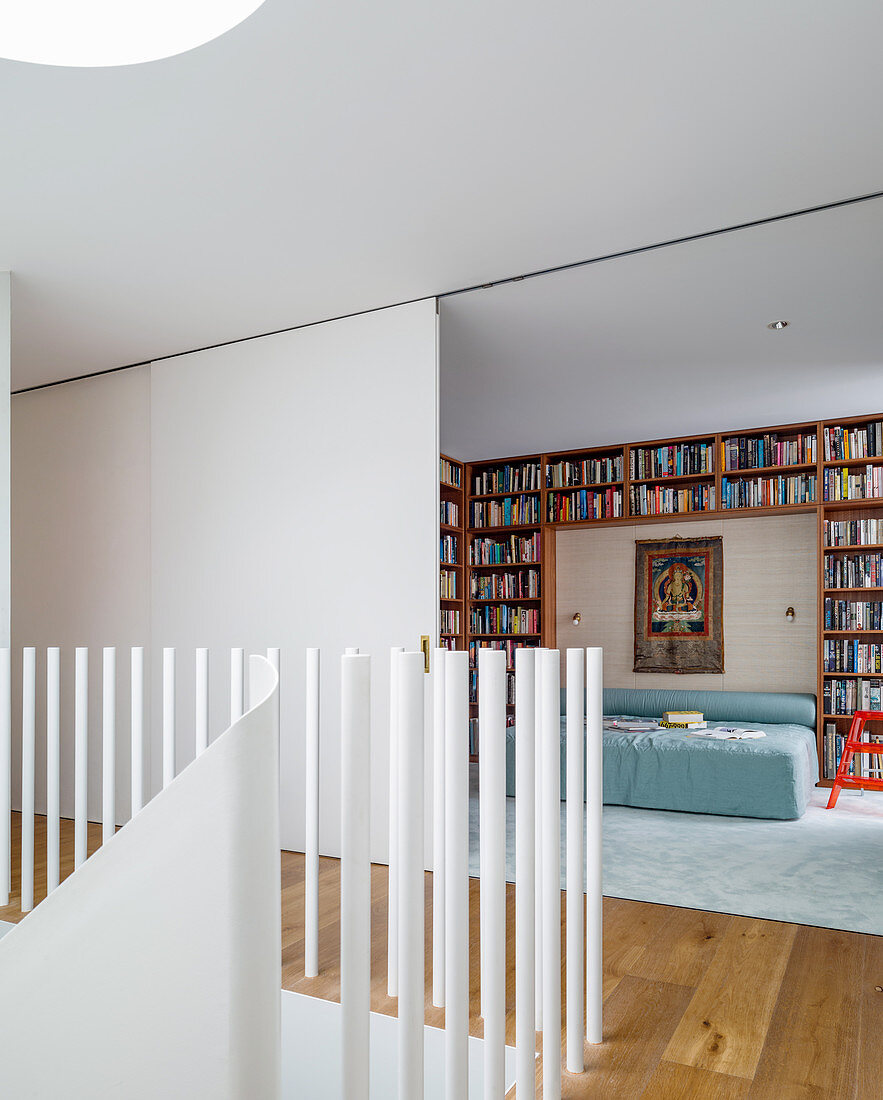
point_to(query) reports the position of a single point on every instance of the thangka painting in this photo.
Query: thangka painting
(679, 595)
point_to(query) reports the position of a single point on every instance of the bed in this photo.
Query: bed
(771, 777)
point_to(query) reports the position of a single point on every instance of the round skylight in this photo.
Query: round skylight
(97, 33)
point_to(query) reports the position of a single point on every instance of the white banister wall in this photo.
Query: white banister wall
(180, 1014)
(575, 809)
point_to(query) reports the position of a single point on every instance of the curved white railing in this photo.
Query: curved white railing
(154, 969)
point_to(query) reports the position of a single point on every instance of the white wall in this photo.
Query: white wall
(769, 565)
(81, 550)
(145, 499)
(315, 453)
(5, 347)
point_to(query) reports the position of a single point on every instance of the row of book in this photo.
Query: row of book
(513, 550)
(589, 471)
(762, 492)
(853, 614)
(508, 512)
(862, 765)
(675, 460)
(847, 483)
(502, 619)
(857, 442)
(656, 500)
(584, 504)
(851, 655)
(448, 473)
(449, 513)
(848, 696)
(514, 477)
(745, 452)
(505, 586)
(447, 643)
(854, 570)
(509, 647)
(449, 622)
(447, 584)
(853, 532)
(473, 687)
(449, 550)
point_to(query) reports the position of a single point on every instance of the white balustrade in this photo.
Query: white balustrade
(456, 876)
(550, 739)
(169, 733)
(311, 812)
(575, 809)
(392, 922)
(81, 754)
(525, 872)
(594, 810)
(438, 828)
(355, 874)
(53, 767)
(108, 744)
(28, 749)
(201, 701)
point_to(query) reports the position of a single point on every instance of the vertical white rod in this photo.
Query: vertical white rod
(574, 897)
(594, 812)
(237, 684)
(201, 691)
(550, 736)
(53, 766)
(137, 728)
(108, 744)
(355, 874)
(438, 830)
(538, 835)
(392, 927)
(492, 810)
(525, 875)
(274, 655)
(482, 852)
(311, 804)
(28, 746)
(411, 910)
(5, 775)
(456, 876)
(81, 754)
(168, 716)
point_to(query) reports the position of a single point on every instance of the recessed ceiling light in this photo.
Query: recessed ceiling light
(778, 324)
(98, 33)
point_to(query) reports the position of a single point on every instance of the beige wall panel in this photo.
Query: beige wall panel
(769, 565)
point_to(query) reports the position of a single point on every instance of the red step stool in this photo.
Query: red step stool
(853, 745)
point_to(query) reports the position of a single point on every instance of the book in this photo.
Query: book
(683, 716)
(731, 733)
(683, 725)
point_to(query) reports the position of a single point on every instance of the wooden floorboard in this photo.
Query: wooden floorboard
(698, 1006)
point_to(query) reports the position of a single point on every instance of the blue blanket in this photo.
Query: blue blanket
(769, 777)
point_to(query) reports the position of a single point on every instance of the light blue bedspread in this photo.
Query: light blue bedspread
(769, 777)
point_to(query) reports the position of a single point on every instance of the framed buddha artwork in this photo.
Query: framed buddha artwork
(679, 591)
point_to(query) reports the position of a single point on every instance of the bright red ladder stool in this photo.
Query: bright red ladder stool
(853, 745)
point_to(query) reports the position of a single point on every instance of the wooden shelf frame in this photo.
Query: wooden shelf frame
(456, 495)
(547, 531)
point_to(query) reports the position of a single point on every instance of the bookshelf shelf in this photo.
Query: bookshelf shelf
(803, 451)
(452, 585)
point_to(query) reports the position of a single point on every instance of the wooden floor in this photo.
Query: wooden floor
(698, 1006)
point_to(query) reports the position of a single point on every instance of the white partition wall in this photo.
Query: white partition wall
(303, 447)
(297, 451)
(5, 343)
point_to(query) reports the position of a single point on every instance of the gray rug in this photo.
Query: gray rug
(825, 869)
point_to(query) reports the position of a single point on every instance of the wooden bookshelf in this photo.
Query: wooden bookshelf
(764, 471)
(452, 545)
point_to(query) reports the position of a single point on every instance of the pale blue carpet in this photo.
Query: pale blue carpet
(824, 869)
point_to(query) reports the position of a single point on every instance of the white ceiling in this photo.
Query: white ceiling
(672, 341)
(327, 158)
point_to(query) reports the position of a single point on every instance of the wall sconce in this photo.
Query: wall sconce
(789, 614)
(577, 618)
